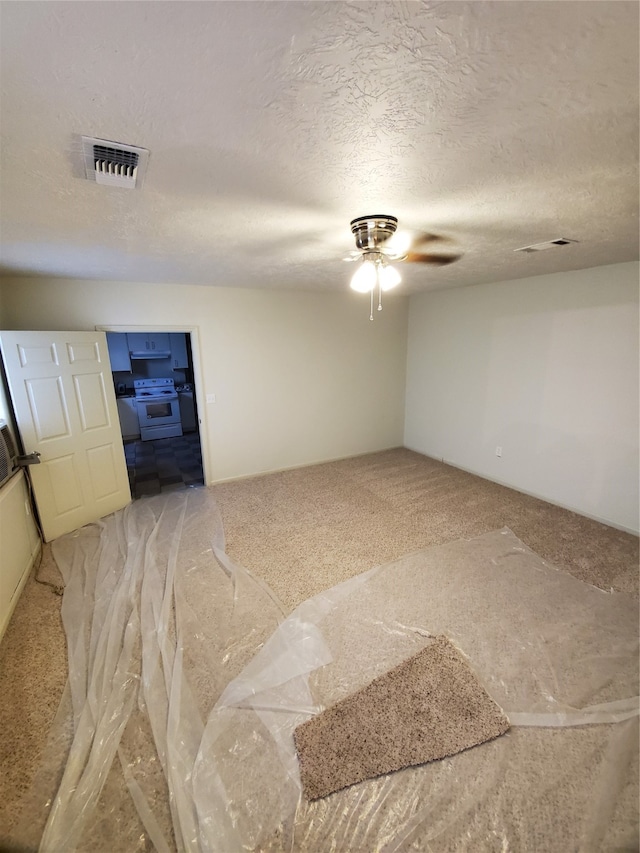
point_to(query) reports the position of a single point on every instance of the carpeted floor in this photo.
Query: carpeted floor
(303, 531)
(388, 725)
(307, 529)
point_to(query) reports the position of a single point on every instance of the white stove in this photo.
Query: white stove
(158, 408)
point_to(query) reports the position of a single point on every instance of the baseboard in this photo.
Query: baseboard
(301, 465)
(606, 521)
(6, 616)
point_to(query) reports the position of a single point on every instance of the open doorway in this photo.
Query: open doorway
(163, 465)
(154, 379)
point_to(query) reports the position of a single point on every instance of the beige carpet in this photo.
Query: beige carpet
(303, 531)
(426, 708)
(542, 643)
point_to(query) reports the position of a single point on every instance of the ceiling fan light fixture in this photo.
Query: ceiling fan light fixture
(374, 270)
(364, 278)
(389, 277)
(378, 242)
(371, 232)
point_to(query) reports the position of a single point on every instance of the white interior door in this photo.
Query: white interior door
(65, 407)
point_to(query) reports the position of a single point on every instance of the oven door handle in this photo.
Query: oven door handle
(164, 399)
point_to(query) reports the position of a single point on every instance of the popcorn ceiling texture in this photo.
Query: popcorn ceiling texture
(272, 124)
(430, 706)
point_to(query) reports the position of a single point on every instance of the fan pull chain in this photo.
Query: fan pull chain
(371, 314)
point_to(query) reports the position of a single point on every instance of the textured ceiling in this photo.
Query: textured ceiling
(272, 124)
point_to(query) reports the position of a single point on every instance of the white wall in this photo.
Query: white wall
(19, 545)
(298, 377)
(5, 414)
(544, 367)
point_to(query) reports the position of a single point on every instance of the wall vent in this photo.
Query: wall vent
(550, 244)
(114, 164)
(7, 453)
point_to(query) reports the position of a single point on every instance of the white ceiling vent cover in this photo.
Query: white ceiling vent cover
(114, 164)
(549, 244)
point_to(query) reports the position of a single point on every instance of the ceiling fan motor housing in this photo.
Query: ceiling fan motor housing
(372, 231)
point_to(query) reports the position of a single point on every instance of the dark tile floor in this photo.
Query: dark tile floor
(164, 464)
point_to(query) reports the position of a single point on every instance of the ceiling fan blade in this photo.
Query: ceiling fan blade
(421, 250)
(377, 235)
(426, 258)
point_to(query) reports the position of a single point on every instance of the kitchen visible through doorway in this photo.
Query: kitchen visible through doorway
(154, 383)
(164, 464)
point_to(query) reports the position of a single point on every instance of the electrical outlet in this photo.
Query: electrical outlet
(211, 398)
(498, 451)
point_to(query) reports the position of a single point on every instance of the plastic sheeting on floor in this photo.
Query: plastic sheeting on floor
(158, 621)
(184, 691)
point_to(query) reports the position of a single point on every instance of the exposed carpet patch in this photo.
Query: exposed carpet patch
(430, 706)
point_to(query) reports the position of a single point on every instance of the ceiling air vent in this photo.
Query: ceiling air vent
(114, 164)
(550, 244)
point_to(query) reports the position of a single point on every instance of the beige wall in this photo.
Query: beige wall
(298, 377)
(4, 403)
(545, 368)
(19, 544)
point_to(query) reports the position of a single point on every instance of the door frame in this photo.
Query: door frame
(201, 409)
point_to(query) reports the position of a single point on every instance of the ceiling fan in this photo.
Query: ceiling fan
(378, 244)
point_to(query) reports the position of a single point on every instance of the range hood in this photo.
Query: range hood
(148, 354)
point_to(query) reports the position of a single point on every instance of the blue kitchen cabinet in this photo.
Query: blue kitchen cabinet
(149, 344)
(179, 357)
(128, 415)
(118, 351)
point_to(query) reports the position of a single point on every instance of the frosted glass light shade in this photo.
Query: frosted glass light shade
(364, 278)
(389, 277)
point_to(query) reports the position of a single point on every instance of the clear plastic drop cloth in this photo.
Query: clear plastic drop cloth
(186, 684)
(559, 656)
(158, 621)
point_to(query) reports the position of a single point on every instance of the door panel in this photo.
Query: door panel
(91, 400)
(48, 408)
(62, 393)
(102, 468)
(83, 352)
(32, 355)
(64, 483)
